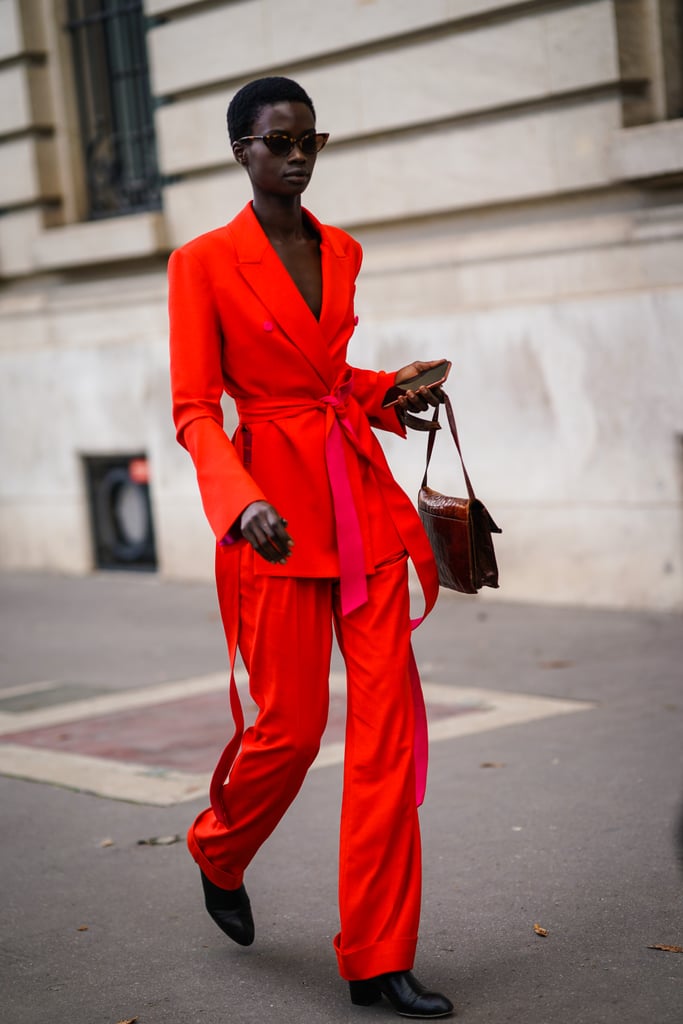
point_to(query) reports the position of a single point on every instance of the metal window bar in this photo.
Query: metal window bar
(115, 105)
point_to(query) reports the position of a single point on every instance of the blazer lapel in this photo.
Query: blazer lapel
(266, 275)
(335, 266)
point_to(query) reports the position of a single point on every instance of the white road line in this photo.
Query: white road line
(26, 688)
(109, 703)
(486, 710)
(136, 783)
(494, 709)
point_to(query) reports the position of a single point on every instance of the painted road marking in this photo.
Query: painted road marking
(26, 689)
(107, 703)
(138, 784)
(478, 710)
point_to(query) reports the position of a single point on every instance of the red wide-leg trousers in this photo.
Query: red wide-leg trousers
(285, 640)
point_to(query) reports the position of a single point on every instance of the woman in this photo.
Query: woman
(313, 534)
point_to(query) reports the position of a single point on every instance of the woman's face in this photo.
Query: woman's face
(278, 175)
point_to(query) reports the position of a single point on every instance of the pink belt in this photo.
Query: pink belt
(353, 585)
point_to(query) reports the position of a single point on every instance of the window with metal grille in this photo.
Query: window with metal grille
(671, 29)
(115, 105)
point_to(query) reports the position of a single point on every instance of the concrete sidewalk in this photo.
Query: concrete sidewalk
(556, 779)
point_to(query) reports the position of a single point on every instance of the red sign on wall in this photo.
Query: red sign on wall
(138, 470)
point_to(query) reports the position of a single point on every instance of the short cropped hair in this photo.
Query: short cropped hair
(250, 100)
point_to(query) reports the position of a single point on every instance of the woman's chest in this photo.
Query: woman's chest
(302, 262)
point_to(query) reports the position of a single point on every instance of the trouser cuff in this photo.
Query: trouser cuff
(223, 879)
(378, 958)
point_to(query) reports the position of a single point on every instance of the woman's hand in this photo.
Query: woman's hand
(423, 398)
(264, 528)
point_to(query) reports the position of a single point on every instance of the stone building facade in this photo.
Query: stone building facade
(514, 171)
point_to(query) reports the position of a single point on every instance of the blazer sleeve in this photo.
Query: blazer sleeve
(369, 389)
(197, 388)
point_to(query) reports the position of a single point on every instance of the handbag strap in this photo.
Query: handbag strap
(454, 432)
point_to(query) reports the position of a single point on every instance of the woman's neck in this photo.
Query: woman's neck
(281, 218)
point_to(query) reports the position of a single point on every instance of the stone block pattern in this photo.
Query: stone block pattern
(511, 219)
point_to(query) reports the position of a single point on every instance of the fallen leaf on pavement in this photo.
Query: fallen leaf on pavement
(667, 949)
(492, 764)
(540, 931)
(128, 1020)
(82, 928)
(159, 841)
(107, 842)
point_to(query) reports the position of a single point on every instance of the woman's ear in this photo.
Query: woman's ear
(239, 152)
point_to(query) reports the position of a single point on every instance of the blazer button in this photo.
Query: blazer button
(355, 320)
(267, 325)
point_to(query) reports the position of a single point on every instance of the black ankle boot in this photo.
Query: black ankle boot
(405, 993)
(231, 910)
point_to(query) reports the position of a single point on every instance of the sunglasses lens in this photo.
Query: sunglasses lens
(308, 144)
(279, 145)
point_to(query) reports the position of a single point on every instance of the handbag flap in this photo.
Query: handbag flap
(436, 504)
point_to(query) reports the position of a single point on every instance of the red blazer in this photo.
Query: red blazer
(239, 324)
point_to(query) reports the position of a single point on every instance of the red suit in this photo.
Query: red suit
(304, 444)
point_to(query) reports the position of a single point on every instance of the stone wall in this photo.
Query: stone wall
(514, 172)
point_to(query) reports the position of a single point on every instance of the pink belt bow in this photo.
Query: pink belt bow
(352, 581)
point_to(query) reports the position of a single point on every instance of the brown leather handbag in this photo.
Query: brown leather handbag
(459, 529)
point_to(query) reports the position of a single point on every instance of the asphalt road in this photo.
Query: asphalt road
(566, 819)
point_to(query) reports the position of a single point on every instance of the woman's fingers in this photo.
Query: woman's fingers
(280, 540)
(271, 548)
(434, 396)
(416, 401)
(423, 398)
(264, 528)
